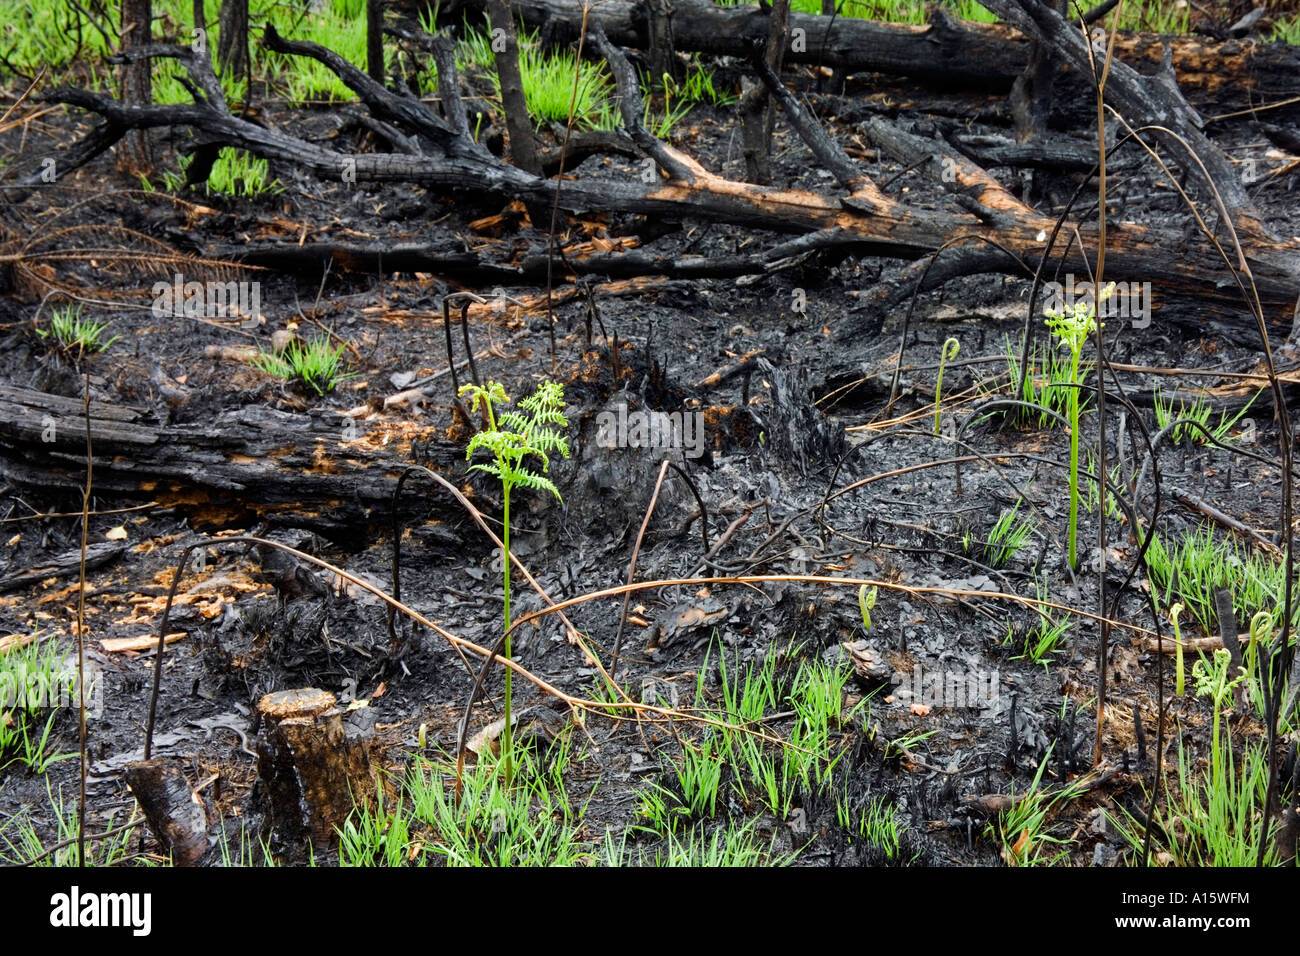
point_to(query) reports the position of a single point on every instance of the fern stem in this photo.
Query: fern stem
(505, 574)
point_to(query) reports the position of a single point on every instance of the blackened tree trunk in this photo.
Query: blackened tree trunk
(835, 82)
(663, 53)
(134, 156)
(1031, 94)
(757, 115)
(232, 44)
(375, 39)
(519, 125)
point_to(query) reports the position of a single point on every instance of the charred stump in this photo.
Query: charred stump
(311, 771)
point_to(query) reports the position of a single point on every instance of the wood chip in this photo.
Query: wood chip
(119, 645)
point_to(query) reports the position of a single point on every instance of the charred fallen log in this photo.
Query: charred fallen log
(863, 219)
(250, 462)
(946, 51)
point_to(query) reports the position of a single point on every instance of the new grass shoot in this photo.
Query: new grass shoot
(235, 173)
(521, 816)
(35, 681)
(1047, 384)
(1198, 563)
(877, 822)
(1186, 417)
(73, 334)
(1044, 639)
(316, 364)
(1025, 831)
(1213, 816)
(1007, 536)
(22, 840)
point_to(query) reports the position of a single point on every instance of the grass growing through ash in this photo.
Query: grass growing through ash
(340, 25)
(730, 846)
(877, 823)
(21, 841)
(1154, 16)
(253, 851)
(1198, 563)
(1213, 816)
(526, 821)
(732, 769)
(1007, 536)
(1197, 411)
(548, 78)
(72, 333)
(235, 173)
(317, 364)
(34, 680)
(1047, 385)
(1025, 831)
(1044, 638)
(1287, 31)
(548, 81)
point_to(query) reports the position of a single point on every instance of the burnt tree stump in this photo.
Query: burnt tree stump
(311, 770)
(175, 813)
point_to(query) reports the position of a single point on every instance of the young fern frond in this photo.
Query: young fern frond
(511, 438)
(538, 483)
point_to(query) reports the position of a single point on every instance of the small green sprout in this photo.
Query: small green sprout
(866, 601)
(73, 333)
(1174, 613)
(317, 364)
(946, 354)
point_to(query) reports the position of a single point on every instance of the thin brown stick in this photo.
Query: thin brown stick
(631, 567)
(81, 634)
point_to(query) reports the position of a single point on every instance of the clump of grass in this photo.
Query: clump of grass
(340, 26)
(21, 841)
(730, 846)
(1199, 412)
(1044, 639)
(548, 79)
(34, 681)
(370, 837)
(692, 793)
(1197, 564)
(760, 772)
(73, 333)
(1047, 384)
(1286, 30)
(1025, 831)
(698, 87)
(1008, 536)
(877, 822)
(235, 173)
(1214, 816)
(318, 365)
(526, 820)
(548, 84)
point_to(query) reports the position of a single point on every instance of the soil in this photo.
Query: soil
(778, 439)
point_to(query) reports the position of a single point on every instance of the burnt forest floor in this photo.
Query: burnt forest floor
(903, 770)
